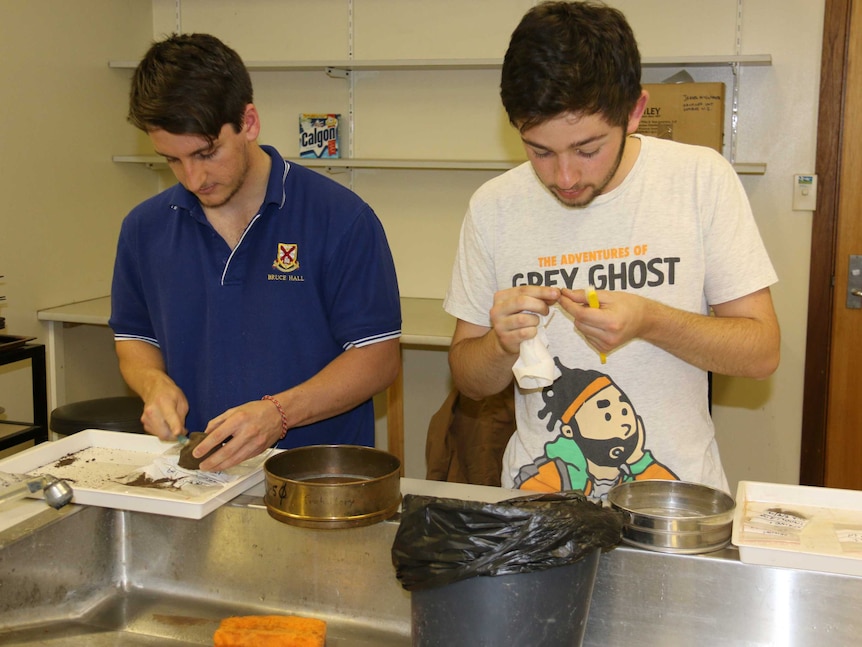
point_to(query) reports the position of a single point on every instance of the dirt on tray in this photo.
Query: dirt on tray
(142, 480)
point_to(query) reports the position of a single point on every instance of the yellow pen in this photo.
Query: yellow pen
(593, 300)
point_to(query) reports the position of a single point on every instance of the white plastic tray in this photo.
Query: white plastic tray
(112, 455)
(829, 513)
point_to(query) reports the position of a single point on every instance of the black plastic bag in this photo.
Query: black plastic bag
(441, 541)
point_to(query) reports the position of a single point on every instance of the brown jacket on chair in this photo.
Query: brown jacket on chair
(466, 438)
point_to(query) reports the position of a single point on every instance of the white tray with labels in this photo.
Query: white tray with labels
(113, 470)
(799, 526)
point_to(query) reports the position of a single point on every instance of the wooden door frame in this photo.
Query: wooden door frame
(833, 74)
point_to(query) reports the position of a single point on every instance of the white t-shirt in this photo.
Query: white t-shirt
(678, 230)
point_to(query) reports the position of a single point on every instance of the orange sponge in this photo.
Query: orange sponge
(270, 631)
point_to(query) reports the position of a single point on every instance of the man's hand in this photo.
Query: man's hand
(618, 319)
(165, 405)
(165, 410)
(481, 358)
(741, 337)
(514, 315)
(246, 430)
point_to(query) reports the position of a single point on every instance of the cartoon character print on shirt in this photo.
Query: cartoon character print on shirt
(600, 442)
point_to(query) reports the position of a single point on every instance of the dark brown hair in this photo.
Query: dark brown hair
(578, 57)
(190, 84)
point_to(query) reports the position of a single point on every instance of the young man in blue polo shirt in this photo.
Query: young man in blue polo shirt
(255, 300)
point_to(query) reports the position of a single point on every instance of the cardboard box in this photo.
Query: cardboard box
(319, 135)
(692, 113)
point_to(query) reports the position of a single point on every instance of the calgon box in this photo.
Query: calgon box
(692, 113)
(318, 135)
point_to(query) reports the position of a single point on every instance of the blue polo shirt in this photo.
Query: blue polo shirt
(311, 277)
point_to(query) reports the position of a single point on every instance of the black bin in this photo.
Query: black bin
(517, 572)
(547, 608)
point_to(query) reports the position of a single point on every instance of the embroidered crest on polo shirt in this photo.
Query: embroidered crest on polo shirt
(286, 261)
(286, 257)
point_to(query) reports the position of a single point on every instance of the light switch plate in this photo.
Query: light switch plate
(804, 192)
(854, 282)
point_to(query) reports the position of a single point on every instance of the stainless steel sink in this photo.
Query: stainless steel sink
(103, 577)
(98, 577)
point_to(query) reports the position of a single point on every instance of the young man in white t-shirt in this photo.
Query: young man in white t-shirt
(665, 233)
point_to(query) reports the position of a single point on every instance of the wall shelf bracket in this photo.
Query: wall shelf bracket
(337, 73)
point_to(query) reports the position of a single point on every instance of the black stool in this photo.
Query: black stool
(114, 414)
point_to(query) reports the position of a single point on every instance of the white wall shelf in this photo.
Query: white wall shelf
(466, 63)
(334, 165)
(156, 162)
(342, 68)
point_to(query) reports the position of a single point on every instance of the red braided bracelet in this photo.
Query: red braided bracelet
(281, 413)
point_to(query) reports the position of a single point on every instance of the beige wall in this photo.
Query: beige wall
(64, 197)
(62, 115)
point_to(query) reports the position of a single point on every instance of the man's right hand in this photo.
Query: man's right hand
(165, 410)
(514, 315)
(481, 358)
(165, 405)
